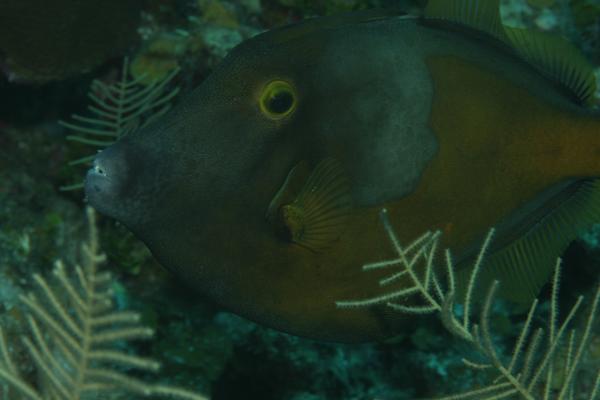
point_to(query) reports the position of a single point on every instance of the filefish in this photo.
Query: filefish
(262, 188)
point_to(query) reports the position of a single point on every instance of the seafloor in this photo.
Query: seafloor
(201, 347)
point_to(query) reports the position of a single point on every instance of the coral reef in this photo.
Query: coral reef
(586, 18)
(74, 331)
(160, 57)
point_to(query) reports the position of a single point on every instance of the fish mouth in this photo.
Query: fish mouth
(104, 181)
(96, 180)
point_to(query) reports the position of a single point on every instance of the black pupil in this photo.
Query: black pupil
(281, 102)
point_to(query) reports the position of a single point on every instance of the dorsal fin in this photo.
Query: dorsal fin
(483, 15)
(558, 59)
(300, 29)
(552, 55)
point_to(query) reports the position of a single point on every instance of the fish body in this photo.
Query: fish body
(262, 188)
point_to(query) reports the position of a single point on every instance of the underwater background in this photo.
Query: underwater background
(57, 58)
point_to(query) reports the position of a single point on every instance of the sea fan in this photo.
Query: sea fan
(74, 331)
(118, 109)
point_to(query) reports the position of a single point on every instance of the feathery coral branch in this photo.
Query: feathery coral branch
(73, 332)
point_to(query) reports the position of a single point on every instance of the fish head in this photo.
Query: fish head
(296, 94)
(299, 93)
(230, 142)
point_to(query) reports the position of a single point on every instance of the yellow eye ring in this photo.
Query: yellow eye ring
(278, 100)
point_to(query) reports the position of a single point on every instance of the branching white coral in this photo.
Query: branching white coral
(74, 327)
(531, 371)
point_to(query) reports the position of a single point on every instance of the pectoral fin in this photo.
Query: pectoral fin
(290, 189)
(316, 217)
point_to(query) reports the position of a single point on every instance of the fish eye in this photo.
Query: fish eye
(277, 100)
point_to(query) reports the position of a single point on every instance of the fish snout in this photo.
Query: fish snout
(105, 180)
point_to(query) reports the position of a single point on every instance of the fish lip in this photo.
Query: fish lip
(95, 183)
(101, 187)
(94, 174)
(96, 169)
